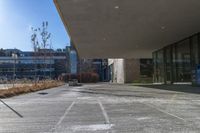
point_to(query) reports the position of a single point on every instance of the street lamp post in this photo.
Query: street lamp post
(14, 56)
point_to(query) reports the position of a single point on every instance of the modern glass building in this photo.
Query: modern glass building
(130, 32)
(28, 64)
(178, 62)
(84, 65)
(73, 62)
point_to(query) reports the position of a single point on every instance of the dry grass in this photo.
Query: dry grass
(29, 88)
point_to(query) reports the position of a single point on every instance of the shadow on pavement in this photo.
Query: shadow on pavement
(177, 88)
(18, 114)
(42, 93)
(110, 93)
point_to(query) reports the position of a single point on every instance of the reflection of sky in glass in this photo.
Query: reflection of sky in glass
(73, 59)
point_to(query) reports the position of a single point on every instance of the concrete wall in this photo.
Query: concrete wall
(118, 74)
(100, 30)
(132, 70)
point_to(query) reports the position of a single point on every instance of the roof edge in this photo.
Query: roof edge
(64, 23)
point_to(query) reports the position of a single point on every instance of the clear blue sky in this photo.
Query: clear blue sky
(18, 16)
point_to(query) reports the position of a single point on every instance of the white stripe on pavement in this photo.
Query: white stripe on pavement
(64, 115)
(104, 112)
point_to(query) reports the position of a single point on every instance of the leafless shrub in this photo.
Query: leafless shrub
(42, 85)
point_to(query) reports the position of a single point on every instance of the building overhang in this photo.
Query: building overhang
(127, 28)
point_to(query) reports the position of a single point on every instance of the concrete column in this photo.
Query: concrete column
(132, 70)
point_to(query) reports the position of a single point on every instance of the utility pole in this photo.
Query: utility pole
(14, 55)
(50, 59)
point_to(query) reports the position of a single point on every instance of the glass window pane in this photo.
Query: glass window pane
(183, 64)
(195, 50)
(160, 67)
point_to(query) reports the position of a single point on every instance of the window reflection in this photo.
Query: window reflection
(176, 62)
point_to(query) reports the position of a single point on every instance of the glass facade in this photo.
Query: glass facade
(146, 68)
(73, 61)
(177, 62)
(182, 61)
(28, 65)
(158, 58)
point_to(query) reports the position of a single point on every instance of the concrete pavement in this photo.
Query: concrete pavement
(101, 108)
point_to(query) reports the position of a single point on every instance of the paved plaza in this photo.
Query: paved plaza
(104, 108)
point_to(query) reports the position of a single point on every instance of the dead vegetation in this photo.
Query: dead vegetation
(13, 91)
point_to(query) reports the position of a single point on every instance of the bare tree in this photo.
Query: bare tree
(41, 41)
(35, 43)
(45, 35)
(45, 43)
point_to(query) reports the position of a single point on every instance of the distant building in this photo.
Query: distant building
(99, 66)
(72, 58)
(46, 63)
(131, 70)
(78, 65)
(73, 65)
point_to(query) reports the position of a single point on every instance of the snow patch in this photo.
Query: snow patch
(84, 98)
(143, 118)
(92, 127)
